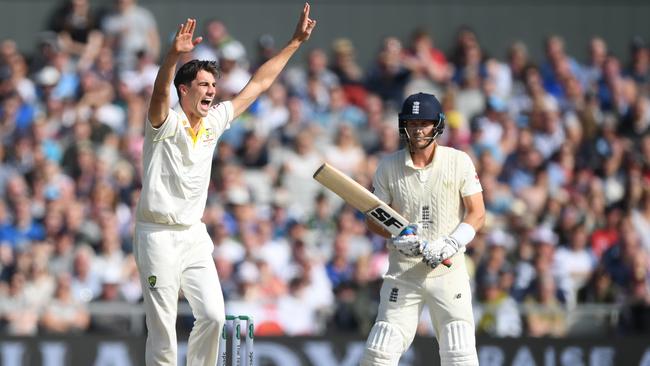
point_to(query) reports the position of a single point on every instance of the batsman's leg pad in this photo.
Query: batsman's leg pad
(458, 344)
(385, 345)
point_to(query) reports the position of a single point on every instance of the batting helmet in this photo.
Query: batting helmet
(422, 107)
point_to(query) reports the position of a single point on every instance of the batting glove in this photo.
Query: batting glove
(438, 250)
(408, 242)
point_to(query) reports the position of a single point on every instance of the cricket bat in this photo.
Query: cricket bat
(363, 200)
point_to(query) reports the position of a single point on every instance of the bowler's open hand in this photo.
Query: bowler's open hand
(305, 25)
(183, 41)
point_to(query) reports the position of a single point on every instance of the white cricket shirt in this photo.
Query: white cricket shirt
(431, 196)
(177, 169)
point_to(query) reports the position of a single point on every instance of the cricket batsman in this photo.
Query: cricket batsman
(437, 189)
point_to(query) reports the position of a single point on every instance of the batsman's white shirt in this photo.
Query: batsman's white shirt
(431, 196)
(177, 169)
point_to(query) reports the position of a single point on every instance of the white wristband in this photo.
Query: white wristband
(464, 233)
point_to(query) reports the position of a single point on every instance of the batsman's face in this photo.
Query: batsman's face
(420, 132)
(198, 97)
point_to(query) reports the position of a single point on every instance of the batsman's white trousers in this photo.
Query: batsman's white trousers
(169, 259)
(449, 300)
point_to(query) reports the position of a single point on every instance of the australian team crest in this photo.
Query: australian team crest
(152, 281)
(209, 134)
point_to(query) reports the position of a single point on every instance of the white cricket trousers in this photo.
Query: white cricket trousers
(169, 259)
(449, 300)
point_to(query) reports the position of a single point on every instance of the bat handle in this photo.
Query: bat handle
(447, 262)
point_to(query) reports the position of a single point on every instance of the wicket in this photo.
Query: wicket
(233, 325)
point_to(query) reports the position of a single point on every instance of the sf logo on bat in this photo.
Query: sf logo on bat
(386, 218)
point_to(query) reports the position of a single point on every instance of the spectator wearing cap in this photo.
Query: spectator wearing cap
(248, 279)
(546, 263)
(105, 322)
(233, 76)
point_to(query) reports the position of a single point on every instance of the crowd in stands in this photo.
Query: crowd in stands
(561, 145)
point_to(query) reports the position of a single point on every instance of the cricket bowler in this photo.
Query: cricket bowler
(173, 250)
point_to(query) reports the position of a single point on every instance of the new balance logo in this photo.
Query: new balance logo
(416, 108)
(393, 294)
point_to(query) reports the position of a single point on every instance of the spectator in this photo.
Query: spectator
(498, 314)
(216, 39)
(545, 316)
(19, 314)
(65, 315)
(130, 28)
(297, 78)
(599, 289)
(78, 31)
(106, 322)
(389, 76)
(86, 283)
(345, 154)
(350, 74)
(561, 146)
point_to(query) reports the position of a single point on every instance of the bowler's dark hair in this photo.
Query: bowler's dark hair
(188, 71)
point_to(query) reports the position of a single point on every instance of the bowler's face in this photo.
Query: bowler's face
(199, 96)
